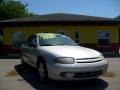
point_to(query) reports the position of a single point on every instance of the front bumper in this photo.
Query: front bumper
(77, 71)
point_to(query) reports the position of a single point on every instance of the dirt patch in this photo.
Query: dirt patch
(12, 73)
(109, 74)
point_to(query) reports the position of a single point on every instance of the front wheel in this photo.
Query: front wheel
(42, 71)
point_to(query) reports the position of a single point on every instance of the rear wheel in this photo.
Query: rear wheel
(42, 71)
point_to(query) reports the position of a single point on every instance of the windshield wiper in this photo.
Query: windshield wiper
(58, 45)
(47, 45)
(67, 44)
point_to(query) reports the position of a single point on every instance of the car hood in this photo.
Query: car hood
(70, 51)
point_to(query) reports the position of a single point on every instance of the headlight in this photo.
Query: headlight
(65, 60)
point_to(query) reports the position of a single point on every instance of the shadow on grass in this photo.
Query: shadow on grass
(30, 75)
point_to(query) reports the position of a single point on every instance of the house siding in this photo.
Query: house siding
(88, 34)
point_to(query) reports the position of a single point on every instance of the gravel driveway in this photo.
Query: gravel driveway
(14, 76)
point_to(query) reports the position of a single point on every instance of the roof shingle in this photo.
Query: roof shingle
(59, 17)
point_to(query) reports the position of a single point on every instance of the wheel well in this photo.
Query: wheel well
(40, 59)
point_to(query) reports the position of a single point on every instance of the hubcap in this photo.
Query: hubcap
(41, 71)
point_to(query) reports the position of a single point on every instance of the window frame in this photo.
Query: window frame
(109, 38)
(77, 38)
(12, 40)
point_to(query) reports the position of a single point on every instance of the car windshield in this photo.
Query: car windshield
(55, 40)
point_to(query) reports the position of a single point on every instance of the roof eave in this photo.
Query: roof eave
(37, 23)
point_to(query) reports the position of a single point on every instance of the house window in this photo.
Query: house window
(77, 37)
(103, 38)
(17, 39)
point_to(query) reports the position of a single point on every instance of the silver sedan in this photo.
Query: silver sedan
(58, 57)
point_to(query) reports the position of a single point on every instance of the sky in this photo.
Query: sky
(102, 8)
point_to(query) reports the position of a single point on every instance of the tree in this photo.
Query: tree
(118, 17)
(13, 9)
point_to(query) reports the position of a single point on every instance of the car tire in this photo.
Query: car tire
(42, 71)
(93, 80)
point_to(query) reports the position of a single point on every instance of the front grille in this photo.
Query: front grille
(88, 60)
(87, 74)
